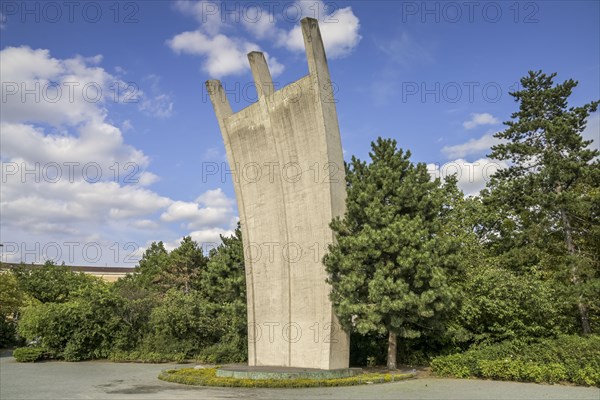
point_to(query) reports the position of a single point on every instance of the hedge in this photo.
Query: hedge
(571, 359)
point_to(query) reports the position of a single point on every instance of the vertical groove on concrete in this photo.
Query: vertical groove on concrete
(287, 231)
(223, 110)
(265, 88)
(265, 104)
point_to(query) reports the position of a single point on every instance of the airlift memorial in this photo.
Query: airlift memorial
(291, 321)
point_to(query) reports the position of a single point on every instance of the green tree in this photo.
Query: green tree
(550, 190)
(51, 283)
(503, 305)
(135, 307)
(184, 266)
(182, 323)
(223, 284)
(393, 266)
(224, 278)
(11, 298)
(153, 262)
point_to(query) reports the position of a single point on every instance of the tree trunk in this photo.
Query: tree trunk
(583, 308)
(392, 350)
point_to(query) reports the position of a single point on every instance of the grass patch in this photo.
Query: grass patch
(572, 359)
(208, 377)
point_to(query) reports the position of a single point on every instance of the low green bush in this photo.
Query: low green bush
(29, 354)
(224, 352)
(208, 377)
(572, 359)
(146, 357)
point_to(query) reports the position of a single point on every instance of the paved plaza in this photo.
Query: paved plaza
(106, 380)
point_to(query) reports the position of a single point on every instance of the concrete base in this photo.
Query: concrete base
(241, 371)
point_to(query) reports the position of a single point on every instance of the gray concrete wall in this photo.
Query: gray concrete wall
(289, 183)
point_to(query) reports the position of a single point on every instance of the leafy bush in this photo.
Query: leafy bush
(29, 354)
(84, 327)
(145, 357)
(208, 377)
(568, 358)
(502, 305)
(181, 323)
(234, 351)
(186, 323)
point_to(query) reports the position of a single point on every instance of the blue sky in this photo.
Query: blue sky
(433, 75)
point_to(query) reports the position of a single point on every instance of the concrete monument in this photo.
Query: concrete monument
(286, 154)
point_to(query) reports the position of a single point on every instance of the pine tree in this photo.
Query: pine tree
(392, 267)
(224, 279)
(154, 260)
(184, 266)
(550, 189)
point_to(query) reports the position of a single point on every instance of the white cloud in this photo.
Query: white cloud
(127, 126)
(96, 143)
(155, 102)
(473, 146)
(480, 119)
(39, 88)
(472, 176)
(68, 203)
(207, 13)
(223, 55)
(210, 236)
(160, 106)
(406, 51)
(207, 238)
(213, 154)
(21, 63)
(60, 120)
(215, 198)
(485, 142)
(210, 208)
(261, 24)
(120, 70)
(145, 224)
(67, 170)
(339, 30)
(146, 179)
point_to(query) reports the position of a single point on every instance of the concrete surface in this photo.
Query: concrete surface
(243, 371)
(110, 381)
(286, 156)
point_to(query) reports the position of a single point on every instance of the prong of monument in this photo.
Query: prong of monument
(315, 51)
(261, 74)
(218, 98)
